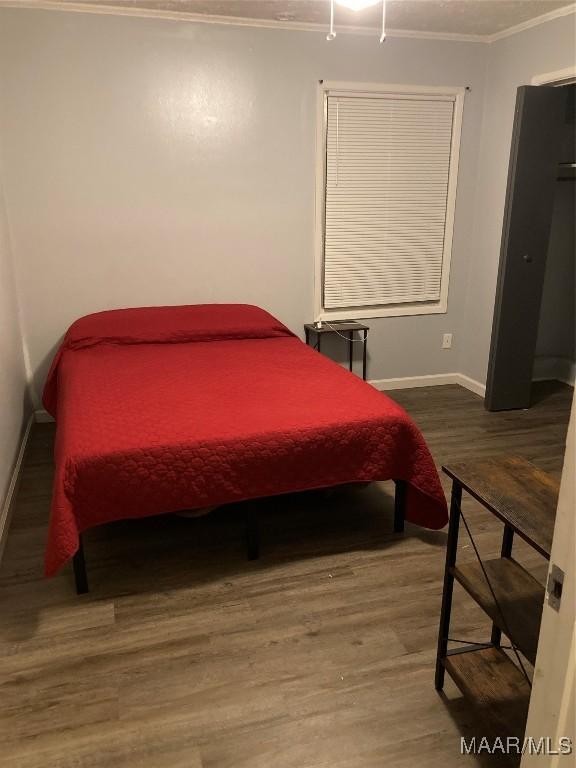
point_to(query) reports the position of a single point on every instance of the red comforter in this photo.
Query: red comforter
(171, 408)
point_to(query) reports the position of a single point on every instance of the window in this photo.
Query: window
(386, 193)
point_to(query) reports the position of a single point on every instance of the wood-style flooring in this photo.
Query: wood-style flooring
(319, 655)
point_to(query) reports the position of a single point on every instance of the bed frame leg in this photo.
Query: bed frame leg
(252, 539)
(399, 505)
(80, 571)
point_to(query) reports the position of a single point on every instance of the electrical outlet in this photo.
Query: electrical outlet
(447, 341)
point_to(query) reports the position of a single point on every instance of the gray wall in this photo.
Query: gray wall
(151, 162)
(13, 397)
(512, 62)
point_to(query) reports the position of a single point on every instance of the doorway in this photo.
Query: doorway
(534, 326)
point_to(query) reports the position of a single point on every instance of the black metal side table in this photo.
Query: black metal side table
(348, 327)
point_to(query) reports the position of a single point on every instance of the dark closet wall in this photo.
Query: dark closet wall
(556, 345)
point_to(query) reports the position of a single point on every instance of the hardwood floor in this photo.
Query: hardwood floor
(319, 655)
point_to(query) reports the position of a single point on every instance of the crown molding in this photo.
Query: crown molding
(419, 34)
(149, 13)
(535, 22)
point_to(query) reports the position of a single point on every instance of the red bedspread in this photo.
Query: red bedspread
(171, 408)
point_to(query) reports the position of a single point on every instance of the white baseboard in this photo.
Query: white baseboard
(474, 386)
(8, 504)
(42, 417)
(408, 382)
(433, 380)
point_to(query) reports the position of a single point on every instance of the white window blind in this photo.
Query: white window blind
(387, 179)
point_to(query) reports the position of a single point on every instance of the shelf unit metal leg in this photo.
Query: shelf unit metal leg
(80, 577)
(364, 345)
(506, 551)
(451, 549)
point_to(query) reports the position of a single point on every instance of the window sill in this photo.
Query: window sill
(400, 310)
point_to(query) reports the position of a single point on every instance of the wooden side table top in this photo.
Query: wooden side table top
(518, 493)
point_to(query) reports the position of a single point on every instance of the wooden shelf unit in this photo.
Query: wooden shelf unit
(524, 498)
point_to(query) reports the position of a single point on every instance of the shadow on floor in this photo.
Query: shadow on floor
(547, 390)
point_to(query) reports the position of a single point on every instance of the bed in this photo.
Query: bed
(164, 409)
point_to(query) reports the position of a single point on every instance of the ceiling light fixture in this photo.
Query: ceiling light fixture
(356, 5)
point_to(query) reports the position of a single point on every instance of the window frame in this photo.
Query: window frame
(391, 310)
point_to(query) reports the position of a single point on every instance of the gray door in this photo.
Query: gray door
(536, 146)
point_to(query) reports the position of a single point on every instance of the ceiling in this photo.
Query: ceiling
(463, 17)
